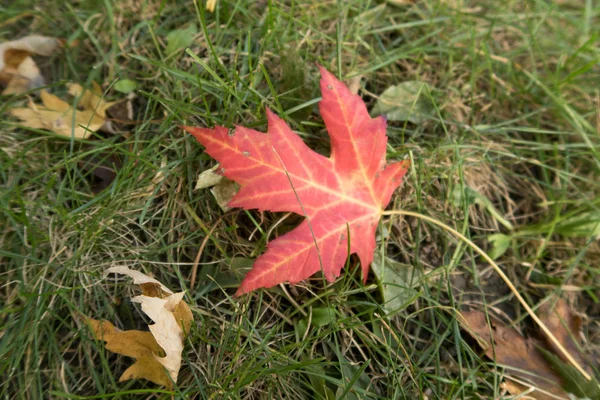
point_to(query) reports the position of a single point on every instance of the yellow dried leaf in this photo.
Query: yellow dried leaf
(59, 117)
(91, 99)
(53, 102)
(158, 352)
(210, 5)
(18, 71)
(136, 344)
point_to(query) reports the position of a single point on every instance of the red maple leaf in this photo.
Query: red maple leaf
(340, 195)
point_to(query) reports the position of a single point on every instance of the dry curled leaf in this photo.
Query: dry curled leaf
(60, 117)
(91, 99)
(527, 360)
(158, 352)
(136, 344)
(566, 326)
(18, 72)
(222, 188)
(509, 348)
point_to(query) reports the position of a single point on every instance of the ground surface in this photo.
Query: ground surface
(513, 141)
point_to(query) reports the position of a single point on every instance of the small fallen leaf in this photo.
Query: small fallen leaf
(26, 77)
(224, 192)
(158, 349)
(139, 278)
(136, 344)
(18, 71)
(323, 316)
(500, 243)
(398, 283)
(209, 178)
(125, 86)
(210, 5)
(90, 99)
(223, 189)
(61, 118)
(166, 329)
(407, 101)
(521, 357)
(180, 38)
(534, 360)
(566, 326)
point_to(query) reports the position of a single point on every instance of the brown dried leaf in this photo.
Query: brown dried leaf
(25, 77)
(136, 344)
(18, 71)
(566, 326)
(520, 355)
(158, 352)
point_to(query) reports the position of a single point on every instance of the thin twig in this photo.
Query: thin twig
(513, 289)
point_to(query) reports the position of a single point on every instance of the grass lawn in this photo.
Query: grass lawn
(509, 145)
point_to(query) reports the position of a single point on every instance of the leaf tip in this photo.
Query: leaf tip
(327, 77)
(270, 113)
(188, 129)
(242, 290)
(199, 133)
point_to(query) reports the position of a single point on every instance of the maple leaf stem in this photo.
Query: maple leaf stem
(513, 289)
